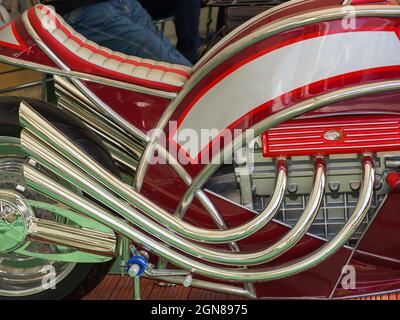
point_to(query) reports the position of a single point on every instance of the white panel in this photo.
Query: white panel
(7, 35)
(286, 69)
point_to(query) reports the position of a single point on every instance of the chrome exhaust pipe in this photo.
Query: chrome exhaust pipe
(121, 145)
(19, 227)
(122, 151)
(39, 127)
(68, 171)
(85, 240)
(41, 183)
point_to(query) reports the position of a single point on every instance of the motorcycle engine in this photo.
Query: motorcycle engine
(250, 182)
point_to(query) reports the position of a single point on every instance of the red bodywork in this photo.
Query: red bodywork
(377, 256)
(351, 134)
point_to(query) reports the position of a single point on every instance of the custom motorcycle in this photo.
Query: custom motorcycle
(269, 169)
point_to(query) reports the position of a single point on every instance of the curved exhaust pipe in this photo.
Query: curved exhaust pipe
(39, 127)
(68, 171)
(42, 183)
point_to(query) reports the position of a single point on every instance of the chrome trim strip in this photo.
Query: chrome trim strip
(346, 2)
(72, 95)
(41, 44)
(279, 117)
(46, 69)
(106, 132)
(67, 71)
(122, 158)
(40, 127)
(68, 171)
(109, 112)
(288, 23)
(28, 65)
(45, 185)
(223, 288)
(85, 240)
(62, 84)
(179, 169)
(259, 35)
(243, 27)
(141, 170)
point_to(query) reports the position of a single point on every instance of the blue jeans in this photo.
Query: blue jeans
(123, 25)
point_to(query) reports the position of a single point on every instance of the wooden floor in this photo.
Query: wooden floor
(116, 287)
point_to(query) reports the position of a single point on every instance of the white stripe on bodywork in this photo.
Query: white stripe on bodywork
(282, 71)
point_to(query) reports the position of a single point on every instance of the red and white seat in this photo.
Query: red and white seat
(84, 56)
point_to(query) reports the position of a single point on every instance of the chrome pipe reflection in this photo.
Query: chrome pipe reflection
(45, 131)
(85, 240)
(41, 183)
(72, 174)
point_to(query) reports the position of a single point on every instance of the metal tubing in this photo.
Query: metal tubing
(219, 287)
(43, 184)
(86, 240)
(277, 118)
(44, 130)
(68, 171)
(269, 30)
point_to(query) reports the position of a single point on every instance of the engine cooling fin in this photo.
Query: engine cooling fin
(339, 135)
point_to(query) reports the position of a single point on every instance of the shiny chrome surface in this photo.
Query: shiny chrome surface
(21, 274)
(290, 239)
(65, 88)
(15, 218)
(285, 24)
(43, 184)
(109, 112)
(66, 170)
(277, 118)
(124, 148)
(205, 285)
(85, 240)
(37, 125)
(268, 30)
(65, 70)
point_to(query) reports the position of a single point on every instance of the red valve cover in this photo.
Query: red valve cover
(335, 135)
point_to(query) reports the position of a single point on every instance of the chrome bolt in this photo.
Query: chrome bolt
(292, 188)
(144, 254)
(134, 270)
(355, 185)
(11, 217)
(188, 281)
(20, 188)
(334, 186)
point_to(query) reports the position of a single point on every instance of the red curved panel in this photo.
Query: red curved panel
(24, 48)
(142, 110)
(219, 80)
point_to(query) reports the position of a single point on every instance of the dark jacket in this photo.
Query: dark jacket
(65, 6)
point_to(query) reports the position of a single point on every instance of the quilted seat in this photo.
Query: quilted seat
(84, 56)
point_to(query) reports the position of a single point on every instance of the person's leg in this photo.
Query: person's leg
(139, 15)
(159, 9)
(187, 20)
(110, 25)
(187, 23)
